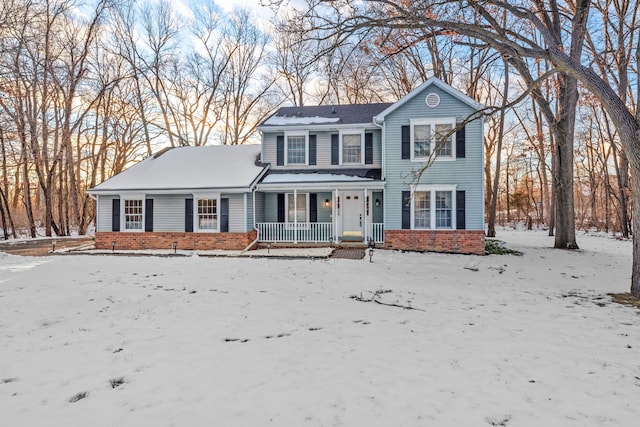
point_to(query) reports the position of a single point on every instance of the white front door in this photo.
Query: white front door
(352, 214)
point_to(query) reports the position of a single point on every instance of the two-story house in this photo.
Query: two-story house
(407, 175)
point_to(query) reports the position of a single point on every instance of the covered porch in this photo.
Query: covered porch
(319, 208)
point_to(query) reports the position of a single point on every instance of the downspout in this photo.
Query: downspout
(382, 143)
(254, 187)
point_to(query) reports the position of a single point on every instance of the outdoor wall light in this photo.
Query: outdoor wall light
(377, 203)
(327, 203)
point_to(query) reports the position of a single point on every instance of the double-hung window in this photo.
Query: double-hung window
(297, 207)
(421, 141)
(207, 214)
(296, 151)
(352, 149)
(133, 214)
(422, 209)
(433, 207)
(432, 136)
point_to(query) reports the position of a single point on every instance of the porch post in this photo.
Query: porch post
(335, 215)
(295, 215)
(365, 231)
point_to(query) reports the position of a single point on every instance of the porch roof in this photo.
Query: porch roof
(318, 181)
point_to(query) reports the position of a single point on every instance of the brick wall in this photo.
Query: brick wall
(455, 241)
(164, 240)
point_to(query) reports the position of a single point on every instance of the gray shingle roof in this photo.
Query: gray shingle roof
(336, 114)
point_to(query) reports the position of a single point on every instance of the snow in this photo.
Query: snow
(208, 167)
(280, 178)
(283, 120)
(522, 341)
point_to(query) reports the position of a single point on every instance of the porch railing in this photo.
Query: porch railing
(309, 232)
(376, 232)
(290, 232)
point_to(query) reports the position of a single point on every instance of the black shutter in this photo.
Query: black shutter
(460, 210)
(312, 149)
(335, 149)
(280, 150)
(313, 207)
(406, 210)
(406, 142)
(115, 215)
(460, 142)
(280, 207)
(148, 215)
(224, 215)
(368, 148)
(188, 215)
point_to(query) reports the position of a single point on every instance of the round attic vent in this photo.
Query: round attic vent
(432, 100)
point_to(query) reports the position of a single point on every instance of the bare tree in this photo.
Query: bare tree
(246, 85)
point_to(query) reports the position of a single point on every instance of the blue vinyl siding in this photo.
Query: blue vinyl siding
(260, 211)
(377, 211)
(323, 150)
(168, 212)
(237, 218)
(103, 220)
(466, 173)
(324, 212)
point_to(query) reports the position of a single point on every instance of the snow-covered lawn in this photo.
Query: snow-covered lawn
(193, 341)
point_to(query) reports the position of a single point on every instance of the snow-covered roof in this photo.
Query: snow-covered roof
(282, 178)
(323, 115)
(280, 121)
(186, 168)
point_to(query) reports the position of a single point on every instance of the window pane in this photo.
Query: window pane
(296, 150)
(351, 148)
(300, 208)
(207, 214)
(443, 144)
(421, 140)
(443, 209)
(133, 214)
(422, 209)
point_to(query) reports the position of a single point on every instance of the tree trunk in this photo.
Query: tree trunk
(563, 174)
(635, 275)
(491, 231)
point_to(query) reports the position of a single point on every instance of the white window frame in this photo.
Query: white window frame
(432, 146)
(286, 208)
(196, 222)
(360, 132)
(123, 221)
(432, 189)
(306, 147)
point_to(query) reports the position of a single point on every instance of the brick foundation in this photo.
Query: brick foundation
(454, 241)
(164, 240)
